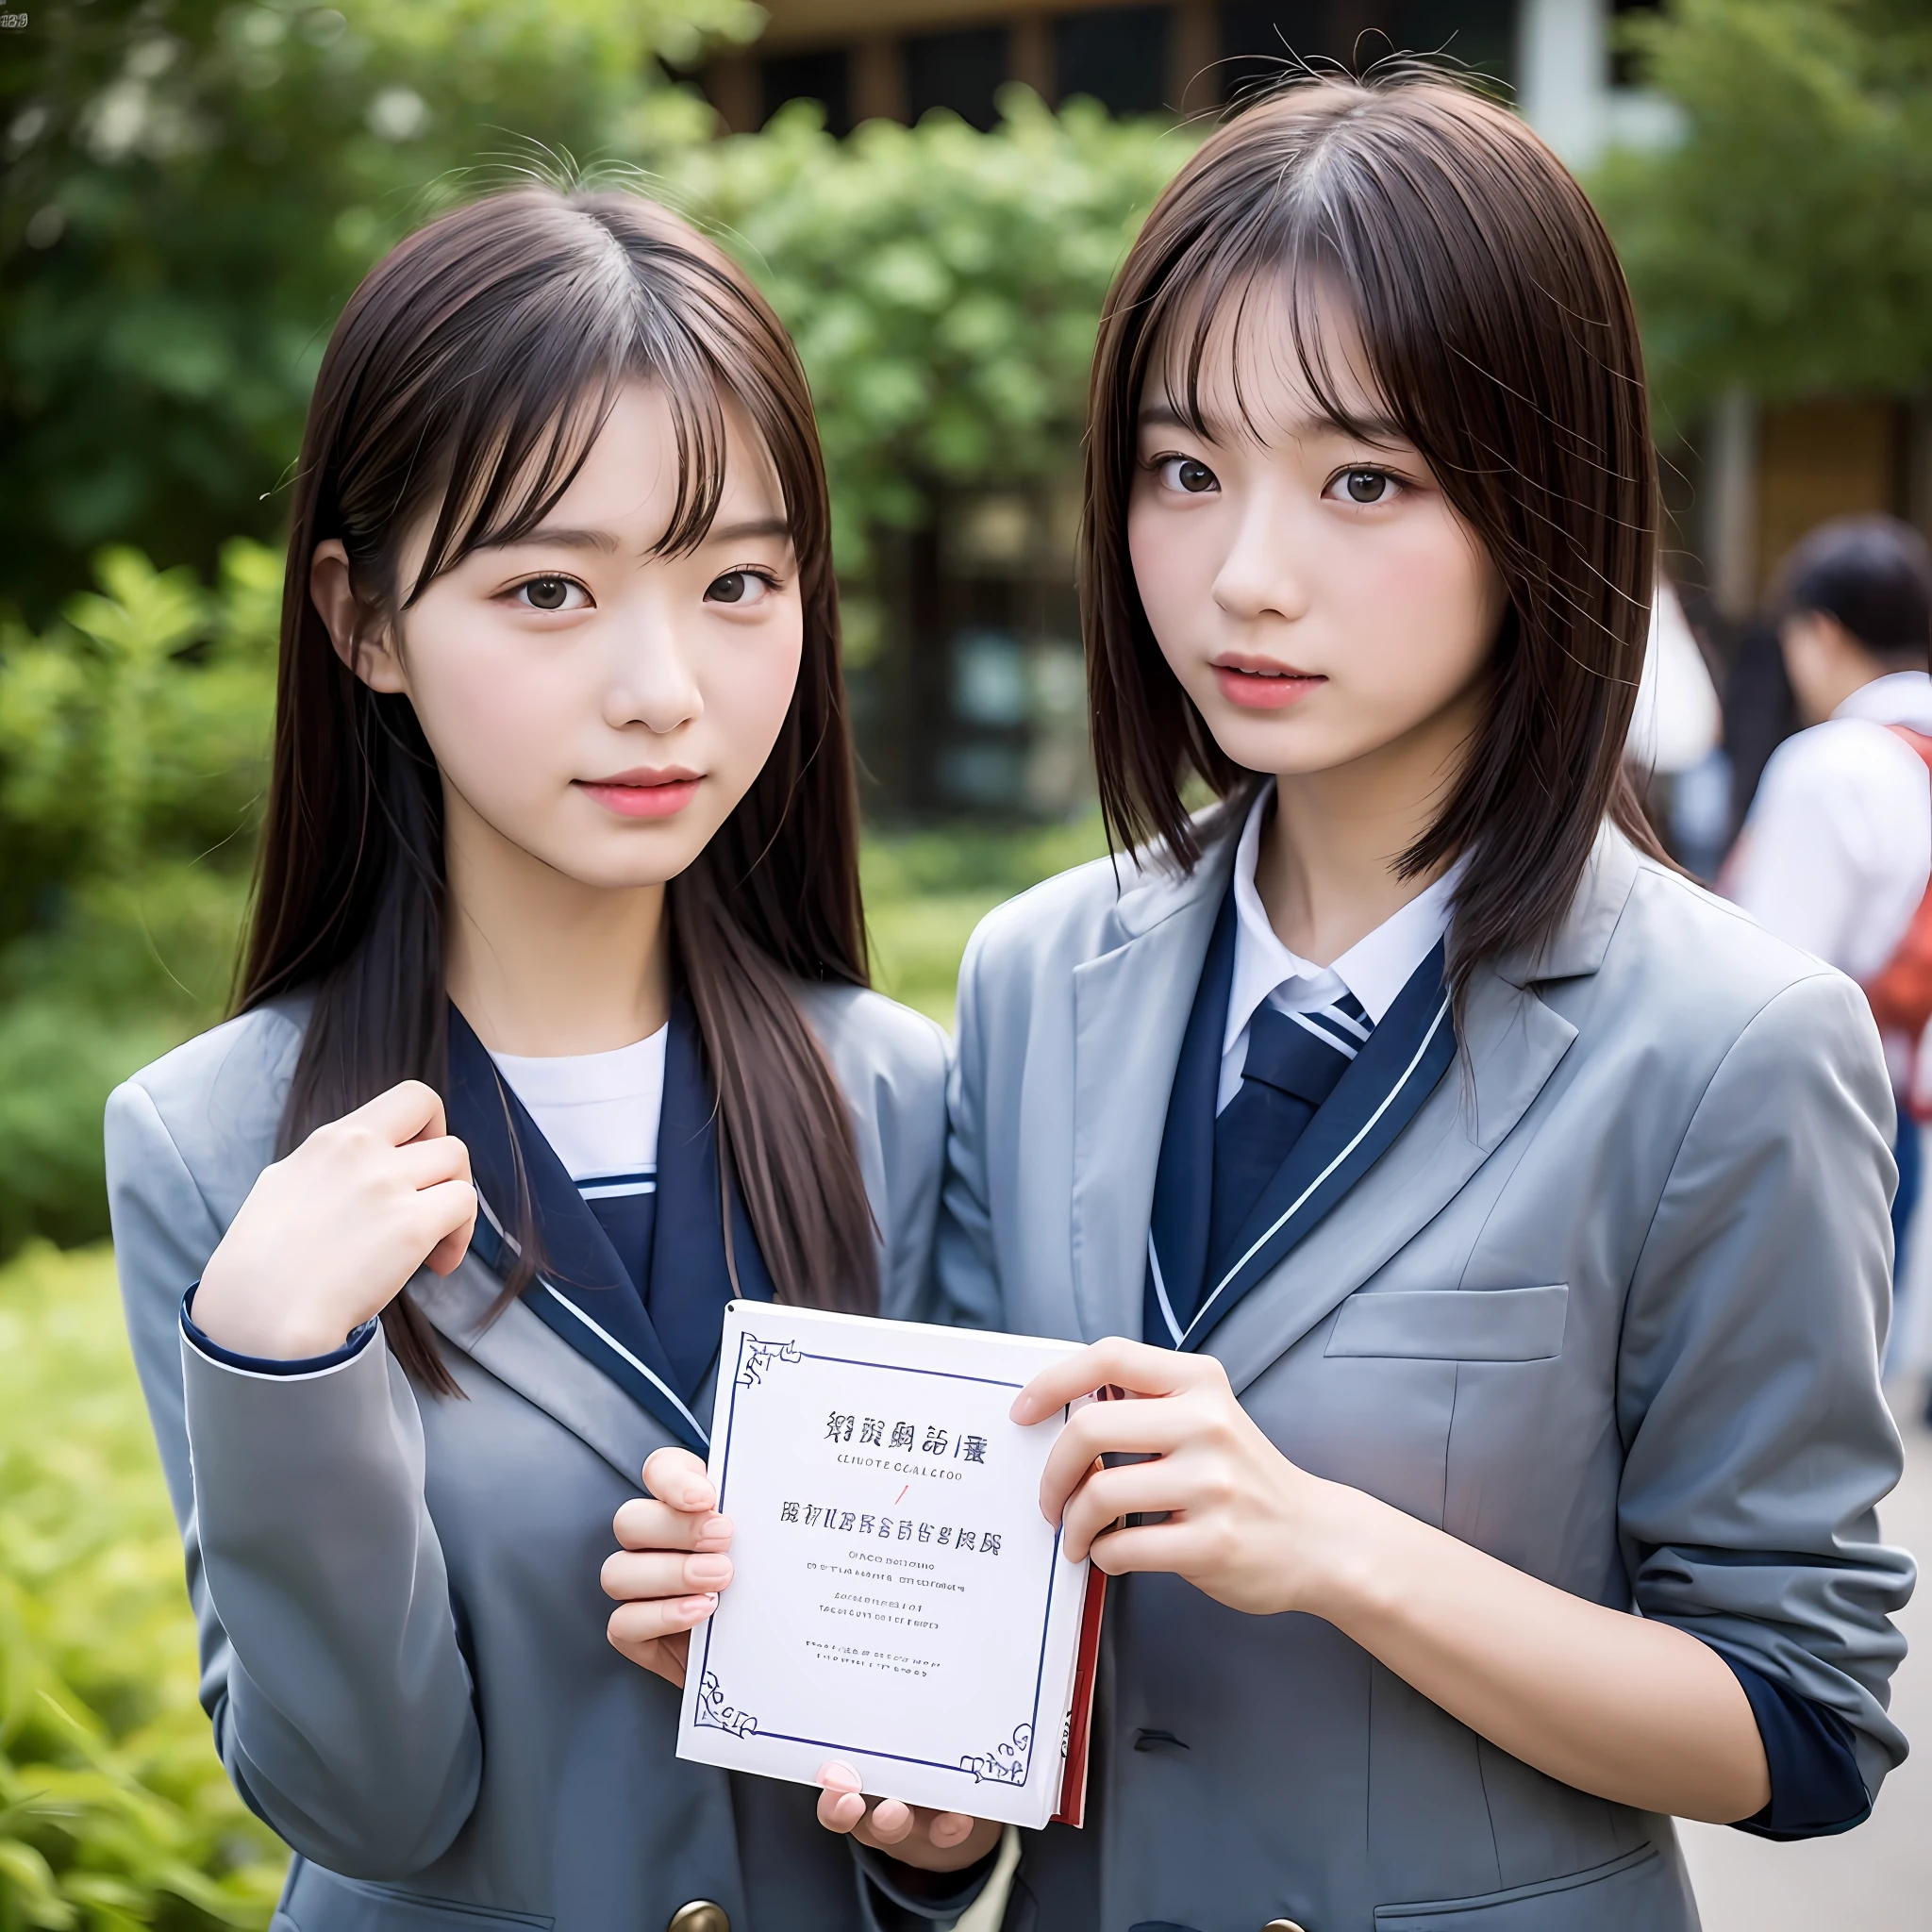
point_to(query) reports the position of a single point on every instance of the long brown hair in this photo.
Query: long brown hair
(1500, 335)
(461, 390)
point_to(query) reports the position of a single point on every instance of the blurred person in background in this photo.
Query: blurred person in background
(1837, 851)
(1673, 750)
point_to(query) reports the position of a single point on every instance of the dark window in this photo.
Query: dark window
(823, 75)
(1262, 40)
(1624, 70)
(1476, 36)
(1116, 54)
(959, 71)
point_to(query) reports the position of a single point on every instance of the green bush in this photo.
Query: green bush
(114, 1810)
(133, 735)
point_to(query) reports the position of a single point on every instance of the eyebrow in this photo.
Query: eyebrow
(1372, 429)
(752, 527)
(564, 539)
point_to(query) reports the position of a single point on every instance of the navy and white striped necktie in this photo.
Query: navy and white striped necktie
(1293, 1063)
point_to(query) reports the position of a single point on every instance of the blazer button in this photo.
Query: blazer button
(1281, 1926)
(700, 1915)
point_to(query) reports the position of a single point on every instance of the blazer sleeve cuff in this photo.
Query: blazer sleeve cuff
(1816, 1787)
(901, 1898)
(266, 1365)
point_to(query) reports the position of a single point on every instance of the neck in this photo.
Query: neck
(1327, 872)
(542, 965)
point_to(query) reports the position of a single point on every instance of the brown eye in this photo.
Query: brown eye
(548, 593)
(1367, 486)
(742, 587)
(1193, 478)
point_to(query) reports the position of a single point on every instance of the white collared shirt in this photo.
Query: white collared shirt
(1838, 848)
(1375, 969)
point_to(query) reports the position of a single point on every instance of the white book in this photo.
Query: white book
(898, 1603)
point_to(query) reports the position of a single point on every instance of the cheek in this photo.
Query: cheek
(1435, 600)
(1174, 567)
(746, 677)
(489, 707)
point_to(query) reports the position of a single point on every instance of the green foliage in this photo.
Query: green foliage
(191, 189)
(943, 286)
(1785, 243)
(133, 735)
(114, 1810)
(925, 892)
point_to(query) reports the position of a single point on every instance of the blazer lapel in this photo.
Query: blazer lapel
(1384, 1089)
(1130, 1011)
(1511, 1045)
(523, 1352)
(582, 1291)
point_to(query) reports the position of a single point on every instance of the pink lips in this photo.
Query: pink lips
(644, 793)
(1257, 685)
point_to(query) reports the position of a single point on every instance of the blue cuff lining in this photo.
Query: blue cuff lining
(1816, 1787)
(265, 1365)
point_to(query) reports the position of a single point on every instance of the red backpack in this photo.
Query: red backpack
(1901, 989)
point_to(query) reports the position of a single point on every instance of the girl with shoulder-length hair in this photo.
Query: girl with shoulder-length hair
(553, 1036)
(1491, 1222)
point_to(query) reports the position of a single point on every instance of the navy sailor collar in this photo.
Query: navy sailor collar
(582, 1289)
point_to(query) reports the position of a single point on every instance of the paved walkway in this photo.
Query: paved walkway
(1880, 1875)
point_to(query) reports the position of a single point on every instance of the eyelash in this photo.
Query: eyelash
(769, 578)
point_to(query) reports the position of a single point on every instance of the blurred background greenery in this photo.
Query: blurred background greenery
(190, 190)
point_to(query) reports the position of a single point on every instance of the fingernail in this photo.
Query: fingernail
(697, 1607)
(714, 1528)
(707, 1570)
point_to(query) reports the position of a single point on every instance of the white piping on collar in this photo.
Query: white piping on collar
(603, 1335)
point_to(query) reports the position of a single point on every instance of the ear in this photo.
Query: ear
(363, 640)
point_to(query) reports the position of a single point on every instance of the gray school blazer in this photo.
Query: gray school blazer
(1608, 1308)
(402, 1633)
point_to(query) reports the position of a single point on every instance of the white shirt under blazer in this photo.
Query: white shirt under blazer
(1608, 1306)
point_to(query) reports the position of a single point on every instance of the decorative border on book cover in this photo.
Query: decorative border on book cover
(1006, 1764)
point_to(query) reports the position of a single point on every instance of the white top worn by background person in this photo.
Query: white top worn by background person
(1836, 852)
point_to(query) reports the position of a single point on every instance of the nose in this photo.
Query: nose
(1260, 576)
(650, 680)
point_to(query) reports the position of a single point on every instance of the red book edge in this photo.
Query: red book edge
(1073, 1804)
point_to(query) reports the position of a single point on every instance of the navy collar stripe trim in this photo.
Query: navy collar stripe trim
(1315, 1186)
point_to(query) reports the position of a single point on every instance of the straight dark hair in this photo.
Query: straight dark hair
(1499, 334)
(459, 393)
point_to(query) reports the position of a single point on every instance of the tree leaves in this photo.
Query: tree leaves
(1785, 243)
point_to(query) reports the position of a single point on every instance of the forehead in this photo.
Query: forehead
(1274, 357)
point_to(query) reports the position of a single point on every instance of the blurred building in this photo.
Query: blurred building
(896, 59)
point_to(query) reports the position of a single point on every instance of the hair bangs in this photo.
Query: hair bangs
(521, 438)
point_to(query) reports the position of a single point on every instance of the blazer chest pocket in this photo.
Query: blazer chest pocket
(1463, 1324)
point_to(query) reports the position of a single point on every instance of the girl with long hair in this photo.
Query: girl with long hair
(1492, 1224)
(553, 1036)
